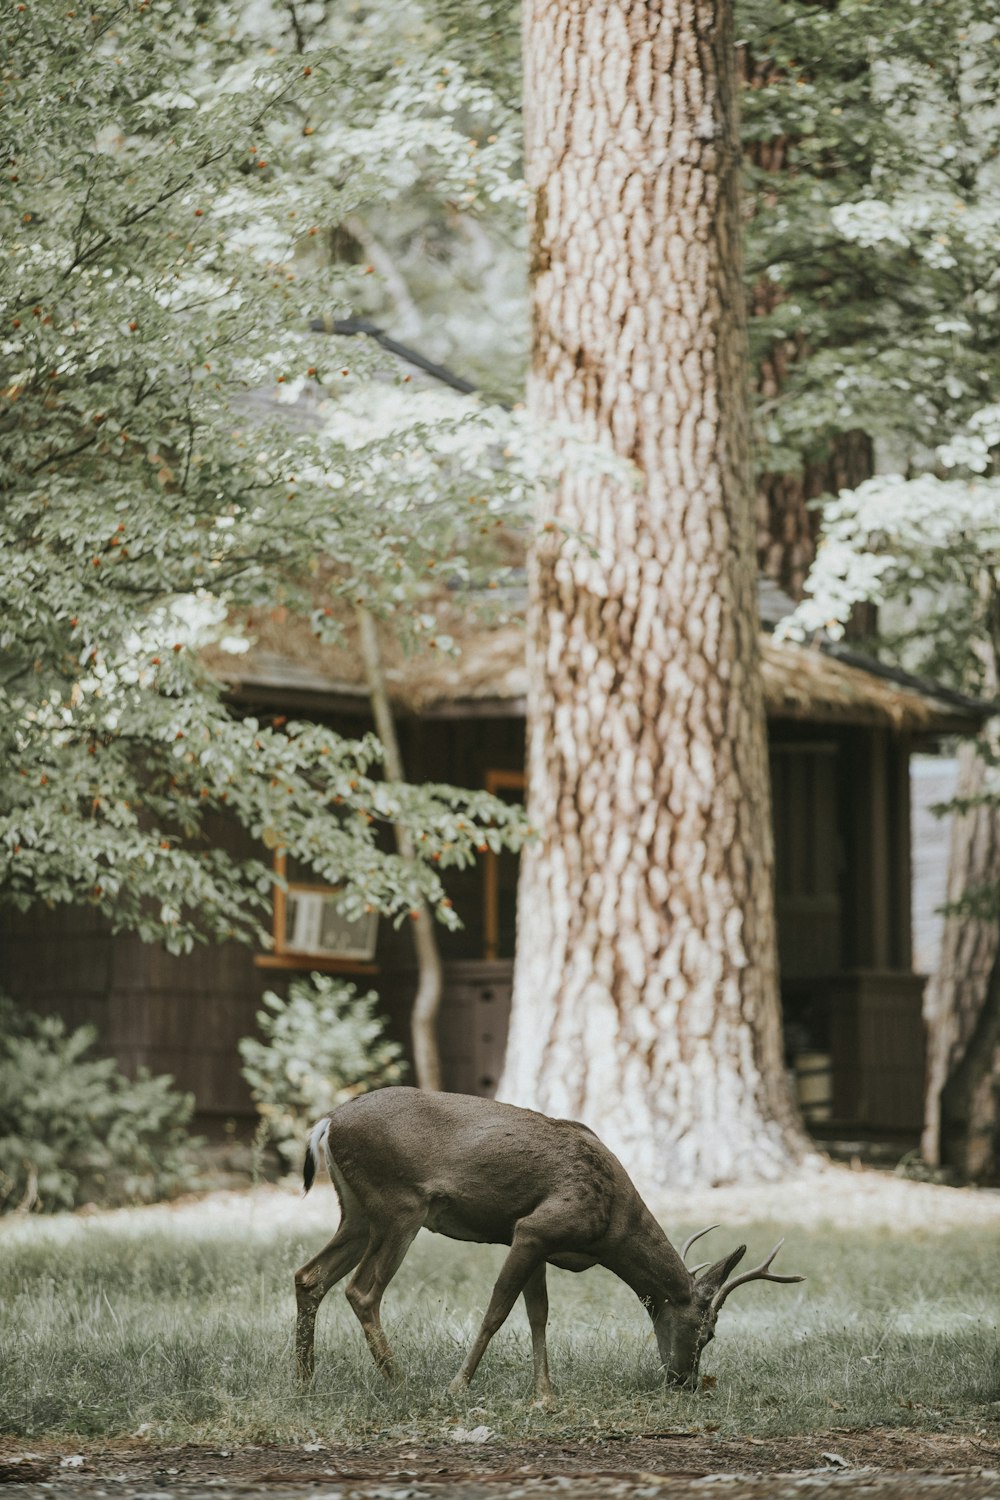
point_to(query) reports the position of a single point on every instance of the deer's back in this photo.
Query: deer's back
(476, 1167)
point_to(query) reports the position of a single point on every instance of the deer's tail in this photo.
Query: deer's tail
(314, 1148)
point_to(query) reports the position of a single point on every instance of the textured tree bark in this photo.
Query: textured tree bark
(427, 1001)
(645, 993)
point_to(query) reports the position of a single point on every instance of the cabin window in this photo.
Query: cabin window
(500, 876)
(309, 932)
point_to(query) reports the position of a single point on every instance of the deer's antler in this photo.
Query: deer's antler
(691, 1239)
(762, 1272)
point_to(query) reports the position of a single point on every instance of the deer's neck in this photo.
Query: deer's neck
(646, 1261)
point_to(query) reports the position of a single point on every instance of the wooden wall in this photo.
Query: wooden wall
(181, 1016)
(185, 1015)
(842, 838)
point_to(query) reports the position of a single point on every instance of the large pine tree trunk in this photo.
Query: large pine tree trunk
(645, 992)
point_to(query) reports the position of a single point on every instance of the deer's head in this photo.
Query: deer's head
(684, 1327)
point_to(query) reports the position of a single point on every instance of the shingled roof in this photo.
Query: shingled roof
(824, 682)
(487, 675)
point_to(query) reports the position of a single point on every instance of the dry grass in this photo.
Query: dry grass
(177, 1322)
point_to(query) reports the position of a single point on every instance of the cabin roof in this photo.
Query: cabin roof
(823, 682)
(486, 676)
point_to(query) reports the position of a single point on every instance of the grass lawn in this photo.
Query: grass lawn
(181, 1329)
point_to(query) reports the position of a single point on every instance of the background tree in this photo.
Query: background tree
(852, 114)
(870, 150)
(918, 241)
(161, 217)
(930, 547)
(788, 173)
(645, 996)
(218, 183)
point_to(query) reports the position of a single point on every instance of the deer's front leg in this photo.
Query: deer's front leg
(522, 1261)
(536, 1301)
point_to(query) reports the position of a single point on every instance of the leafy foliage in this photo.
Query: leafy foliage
(871, 143)
(74, 1130)
(875, 218)
(927, 551)
(172, 175)
(322, 1045)
(187, 192)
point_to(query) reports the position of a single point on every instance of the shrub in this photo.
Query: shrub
(321, 1046)
(74, 1130)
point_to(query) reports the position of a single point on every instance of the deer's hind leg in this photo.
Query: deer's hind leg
(317, 1276)
(387, 1245)
(536, 1302)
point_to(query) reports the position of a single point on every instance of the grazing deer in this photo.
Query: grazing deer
(473, 1169)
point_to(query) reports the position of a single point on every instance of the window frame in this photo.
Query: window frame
(281, 955)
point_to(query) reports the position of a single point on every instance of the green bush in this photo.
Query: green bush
(75, 1130)
(321, 1046)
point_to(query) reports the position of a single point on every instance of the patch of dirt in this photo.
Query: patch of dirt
(654, 1463)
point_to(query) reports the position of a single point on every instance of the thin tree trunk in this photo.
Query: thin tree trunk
(962, 1120)
(645, 991)
(970, 1100)
(427, 1001)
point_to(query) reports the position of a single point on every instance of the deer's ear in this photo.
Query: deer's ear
(709, 1282)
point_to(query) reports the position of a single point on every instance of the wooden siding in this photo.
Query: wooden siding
(181, 1016)
(877, 1044)
(841, 813)
(475, 1011)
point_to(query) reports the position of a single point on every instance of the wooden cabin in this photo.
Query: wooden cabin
(841, 732)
